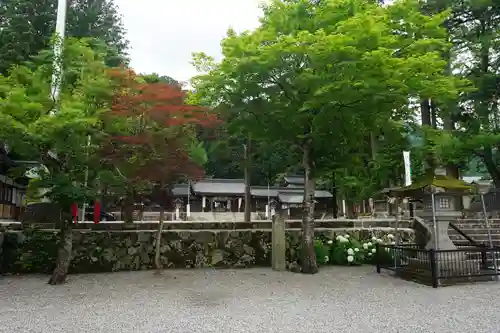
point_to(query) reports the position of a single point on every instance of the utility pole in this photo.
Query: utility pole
(62, 7)
(248, 197)
(58, 49)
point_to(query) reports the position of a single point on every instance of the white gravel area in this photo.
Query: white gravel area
(338, 299)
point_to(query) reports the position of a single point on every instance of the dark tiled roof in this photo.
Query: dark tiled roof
(237, 187)
(220, 186)
(291, 198)
(296, 180)
(295, 197)
(180, 190)
(262, 191)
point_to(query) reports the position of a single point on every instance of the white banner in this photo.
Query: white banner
(406, 159)
(239, 203)
(177, 215)
(188, 210)
(267, 211)
(203, 202)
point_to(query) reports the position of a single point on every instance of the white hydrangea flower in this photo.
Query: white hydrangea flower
(379, 241)
(350, 258)
(326, 258)
(393, 243)
(374, 239)
(347, 236)
(390, 236)
(365, 246)
(339, 237)
(350, 252)
(374, 250)
(369, 253)
(343, 240)
(356, 249)
(370, 244)
(330, 242)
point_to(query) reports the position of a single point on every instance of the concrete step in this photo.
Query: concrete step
(477, 238)
(477, 225)
(475, 230)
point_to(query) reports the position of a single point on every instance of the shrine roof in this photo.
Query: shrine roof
(219, 186)
(180, 190)
(427, 183)
(294, 179)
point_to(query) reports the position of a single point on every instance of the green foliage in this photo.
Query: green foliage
(26, 28)
(35, 127)
(36, 253)
(346, 250)
(326, 75)
(322, 252)
(470, 131)
(156, 78)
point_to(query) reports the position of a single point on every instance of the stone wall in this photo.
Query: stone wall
(34, 250)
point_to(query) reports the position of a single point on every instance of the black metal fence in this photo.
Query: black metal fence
(439, 267)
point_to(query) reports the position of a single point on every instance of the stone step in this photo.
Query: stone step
(489, 256)
(473, 235)
(473, 227)
(475, 231)
(494, 225)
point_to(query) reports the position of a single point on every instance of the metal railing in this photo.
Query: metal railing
(438, 267)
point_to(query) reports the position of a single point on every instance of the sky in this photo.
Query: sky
(164, 33)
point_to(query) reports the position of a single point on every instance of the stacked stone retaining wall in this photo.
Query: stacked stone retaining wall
(117, 247)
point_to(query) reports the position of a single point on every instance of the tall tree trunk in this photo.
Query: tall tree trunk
(63, 254)
(452, 170)
(425, 112)
(433, 110)
(158, 264)
(351, 209)
(373, 145)
(335, 203)
(128, 207)
(308, 255)
(491, 166)
(248, 197)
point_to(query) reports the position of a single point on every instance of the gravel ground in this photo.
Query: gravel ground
(255, 300)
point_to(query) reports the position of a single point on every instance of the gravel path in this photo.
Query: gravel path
(255, 300)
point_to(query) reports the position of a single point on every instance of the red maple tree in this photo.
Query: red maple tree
(151, 134)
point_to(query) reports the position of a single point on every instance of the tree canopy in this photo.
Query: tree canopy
(27, 27)
(322, 77)
(150, 137)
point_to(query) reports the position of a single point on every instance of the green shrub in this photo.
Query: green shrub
(346, 250)
(322, 252)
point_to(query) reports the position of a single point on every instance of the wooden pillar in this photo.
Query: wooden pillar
(278, 243)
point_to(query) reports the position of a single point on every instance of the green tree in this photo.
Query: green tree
(152, 138)
(471, 123)
(58, 140)
(326, 75)
(156, 78)
(26, 28)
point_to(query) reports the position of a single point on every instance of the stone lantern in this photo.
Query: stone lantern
(445, 210)
(273, 204)
(444, 191)
(178, 206)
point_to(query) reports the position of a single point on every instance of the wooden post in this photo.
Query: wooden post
(278, 243)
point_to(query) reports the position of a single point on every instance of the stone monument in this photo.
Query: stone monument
(437, 215)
